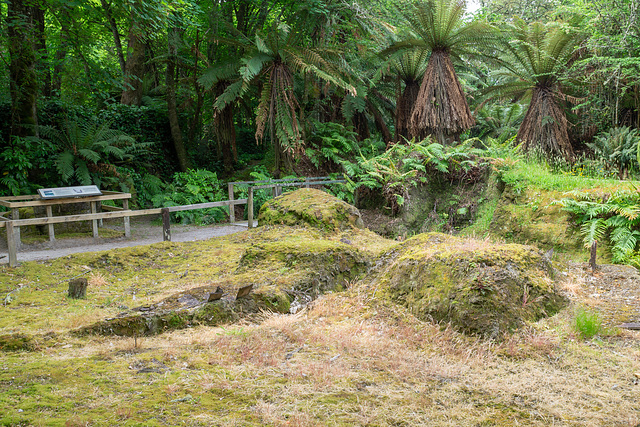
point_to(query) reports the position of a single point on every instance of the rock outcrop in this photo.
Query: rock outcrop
(310, 207)
(478, 287)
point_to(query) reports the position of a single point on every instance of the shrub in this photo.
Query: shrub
(618, 148)
(616, 219)
(21, 160)
(191, 187)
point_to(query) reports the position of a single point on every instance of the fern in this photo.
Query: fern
(616, 220)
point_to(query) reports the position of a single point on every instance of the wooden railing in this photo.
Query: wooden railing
(13, 225)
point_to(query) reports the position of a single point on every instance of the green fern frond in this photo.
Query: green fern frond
(593, 230)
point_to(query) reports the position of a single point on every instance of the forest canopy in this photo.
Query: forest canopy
(127, 93)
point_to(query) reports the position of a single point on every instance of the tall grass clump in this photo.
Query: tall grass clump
(587, 323)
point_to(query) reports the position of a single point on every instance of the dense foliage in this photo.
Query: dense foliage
(167, 99)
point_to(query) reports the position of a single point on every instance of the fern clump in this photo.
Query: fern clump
(618, 148)
(615, 219)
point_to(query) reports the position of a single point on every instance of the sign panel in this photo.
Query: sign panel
(66, 192)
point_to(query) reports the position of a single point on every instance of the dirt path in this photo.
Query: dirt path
(143, 232)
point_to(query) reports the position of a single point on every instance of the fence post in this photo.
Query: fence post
(94, 223)
(52, 235)
(11, 244)
(166, 225)
(250, 208)
(126, 219)
(232, 207)
(15, 214)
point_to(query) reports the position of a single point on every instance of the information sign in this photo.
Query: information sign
(65, 192)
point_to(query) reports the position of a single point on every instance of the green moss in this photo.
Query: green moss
(480, 288)
(310, 207)
(15, 342)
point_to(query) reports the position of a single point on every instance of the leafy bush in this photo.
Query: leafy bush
(260, 173)
(191, 187)
(330, 142)
(403, 166)
(499, 121)
(23, 158)
(88, 151)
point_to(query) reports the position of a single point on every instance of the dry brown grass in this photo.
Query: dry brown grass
(97, 280)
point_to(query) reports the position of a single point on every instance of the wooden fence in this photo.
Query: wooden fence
(13, 225)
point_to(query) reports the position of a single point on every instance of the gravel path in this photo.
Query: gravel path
(143, 232)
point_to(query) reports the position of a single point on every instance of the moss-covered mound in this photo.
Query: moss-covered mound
(282, 263)
(479, 287)
(312, 208)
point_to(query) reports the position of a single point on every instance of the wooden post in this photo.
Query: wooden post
(166, 224)
(15, 214)
(126, 219)
(52, 235)
(232, 208)
(94, 223)
(306, 183)
(250, 208)
(592, 260)
(11, 244)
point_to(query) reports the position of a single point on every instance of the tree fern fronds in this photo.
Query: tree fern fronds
(625, 242)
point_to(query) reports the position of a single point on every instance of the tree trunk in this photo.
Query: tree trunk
(22, 77)
(225, 131)
(41, 50)
(61, 54)
(78, 288)
(404, 107)
(134, 68)
(194, 128)
(380, 124)
(106, 7)
(176, 132)
(545, 125)
(441, 108)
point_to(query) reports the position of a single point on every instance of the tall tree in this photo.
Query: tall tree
(536, 58)
(173, 38)
(439, 27)
(272, 59)
(409, 68)
(21, 32)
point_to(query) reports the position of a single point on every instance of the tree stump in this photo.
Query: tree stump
(78, 288)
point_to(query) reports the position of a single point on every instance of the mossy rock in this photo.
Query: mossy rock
(310, 207)
(480, 288)
(179, 313)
